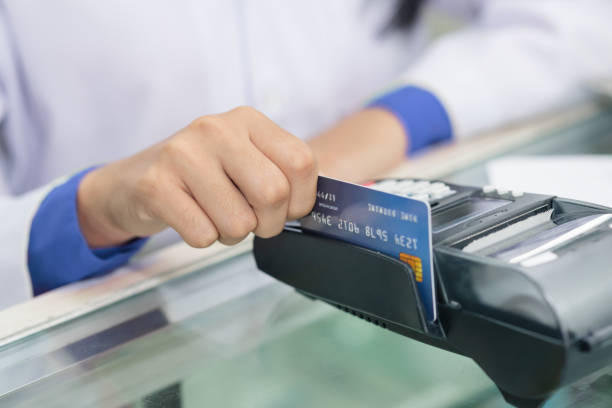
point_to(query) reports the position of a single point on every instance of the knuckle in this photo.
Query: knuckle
(240, 227)
(229, 241)
(274, 193)
(300, 210)
(148, 187)
(208, 125)
(246, 110)
(302, 161)
(250, 223)
(176, 148)
(270, 230)
(203, 238)
(219, 130)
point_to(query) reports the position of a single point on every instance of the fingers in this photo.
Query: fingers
(219, 199)
(221, 177)
(234, 173)
(264, 186)
(178, 209)
(291, 155)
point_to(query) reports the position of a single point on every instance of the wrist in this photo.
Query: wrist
(94, 213)
(361, 146)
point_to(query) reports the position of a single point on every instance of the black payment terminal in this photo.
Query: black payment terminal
(523, 282)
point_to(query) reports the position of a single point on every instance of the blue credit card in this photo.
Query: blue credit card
(391, 224)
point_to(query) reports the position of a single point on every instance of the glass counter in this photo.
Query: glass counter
(228, 335)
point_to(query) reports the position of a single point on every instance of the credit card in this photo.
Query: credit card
(397, 226)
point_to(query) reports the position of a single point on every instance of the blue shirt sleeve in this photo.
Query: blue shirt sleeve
(422, 115)
(58, 253)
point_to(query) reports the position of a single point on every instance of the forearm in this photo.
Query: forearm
(362, 146)
(376, 139)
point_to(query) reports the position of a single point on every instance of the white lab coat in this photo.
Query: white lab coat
(85, 82)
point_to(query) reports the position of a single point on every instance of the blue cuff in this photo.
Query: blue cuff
(424, 118)
(58, 253)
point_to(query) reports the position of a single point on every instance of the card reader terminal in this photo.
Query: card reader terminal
(523, 282)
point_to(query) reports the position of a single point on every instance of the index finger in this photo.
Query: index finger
(291, 155)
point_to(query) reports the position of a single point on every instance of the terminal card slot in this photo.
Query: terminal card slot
(464, 211)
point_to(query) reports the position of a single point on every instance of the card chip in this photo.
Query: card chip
(415, 263)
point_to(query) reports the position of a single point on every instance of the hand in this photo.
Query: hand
(221, 177)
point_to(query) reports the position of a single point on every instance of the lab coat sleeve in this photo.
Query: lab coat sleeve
(516, 59)
(422, 116)
(15, 212)
(43, 247)
(16, 215)
(58, 253)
